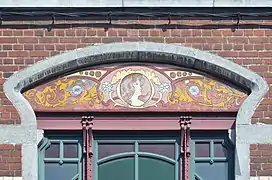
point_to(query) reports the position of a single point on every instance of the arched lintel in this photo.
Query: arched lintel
(143, 52)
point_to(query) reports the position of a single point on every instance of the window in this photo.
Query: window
(128, 157)
(106, 149)
(60, 155)
(212, 156)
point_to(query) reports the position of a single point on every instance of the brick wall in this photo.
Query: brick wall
(250, 46)
(25, 43)
(10, 160)
(261, 160)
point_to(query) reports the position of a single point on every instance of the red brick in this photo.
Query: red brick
(146, 33)
(101, 32)
(264, 173)
(6, 40)
(6, 146)
(28, 32)
(8, 68)
(91, 40)
(154, 39)
(81, 32)
(7, 47)
(111, 39)
(69, 40)
(48, 40)
(28, 40)
(132, 39)
(265, 147)
(7, 33)
(112, 32)
(122, 32)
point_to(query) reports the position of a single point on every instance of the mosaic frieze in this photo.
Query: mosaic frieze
(134, 88)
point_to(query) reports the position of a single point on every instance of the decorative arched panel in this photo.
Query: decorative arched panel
(135, 88)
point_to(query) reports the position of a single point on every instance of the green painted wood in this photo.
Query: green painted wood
(212, 138)
(148, 159)
(61, 161)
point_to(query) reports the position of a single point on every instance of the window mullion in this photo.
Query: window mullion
(212, 151)
(136, 149)
(61, 152)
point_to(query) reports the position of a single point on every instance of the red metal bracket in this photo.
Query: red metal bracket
(87, 126)
(185, 124)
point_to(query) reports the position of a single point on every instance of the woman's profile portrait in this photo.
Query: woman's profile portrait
(135, 89)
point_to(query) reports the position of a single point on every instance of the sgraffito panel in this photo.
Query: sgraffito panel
(134, 88)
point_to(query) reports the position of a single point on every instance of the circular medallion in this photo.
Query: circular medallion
(135, 89)
(194, 90)
(77, 90)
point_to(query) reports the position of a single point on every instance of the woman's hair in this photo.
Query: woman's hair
(127, 89)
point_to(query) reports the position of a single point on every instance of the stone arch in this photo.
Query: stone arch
(146, 52)
(136, 52)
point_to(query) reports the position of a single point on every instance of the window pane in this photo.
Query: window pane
(155, 169)
(117, 169)
(52, 151)
(105, 150)
(202, 149)
(70, 150)
(219, 150)
(167, 150)
(55, 171)
(216, 171)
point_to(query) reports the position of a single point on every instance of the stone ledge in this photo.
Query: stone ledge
(261, 178)
(10, 178)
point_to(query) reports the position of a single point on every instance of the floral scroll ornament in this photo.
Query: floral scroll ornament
(200, 91)
(65, 92)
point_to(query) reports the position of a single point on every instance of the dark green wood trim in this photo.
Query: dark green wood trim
(212, 137)
(172, 138)
(60, 138)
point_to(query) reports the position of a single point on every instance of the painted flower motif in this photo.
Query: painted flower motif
(164, 87)
(106, 87)
(194, 90)
(77, 90)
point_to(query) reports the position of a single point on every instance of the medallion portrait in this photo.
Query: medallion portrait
(135, 89)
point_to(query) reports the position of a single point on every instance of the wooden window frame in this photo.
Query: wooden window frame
(212, 137)
(165, 138)
(62, 138)
(89, 124)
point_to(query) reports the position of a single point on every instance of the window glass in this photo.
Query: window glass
(215, 171)
(56, 171)
(157, 169)
(167, 150)
(108, 149)
(117, 169)
(202, 149)
(70, 150)
(52, 151)
(219, 150)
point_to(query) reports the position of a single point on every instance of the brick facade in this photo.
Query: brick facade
(261, 160)
(23, 44)
(10, 160)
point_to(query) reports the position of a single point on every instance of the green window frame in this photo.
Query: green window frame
(61, 139)
(136, 140)
(210, 139)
